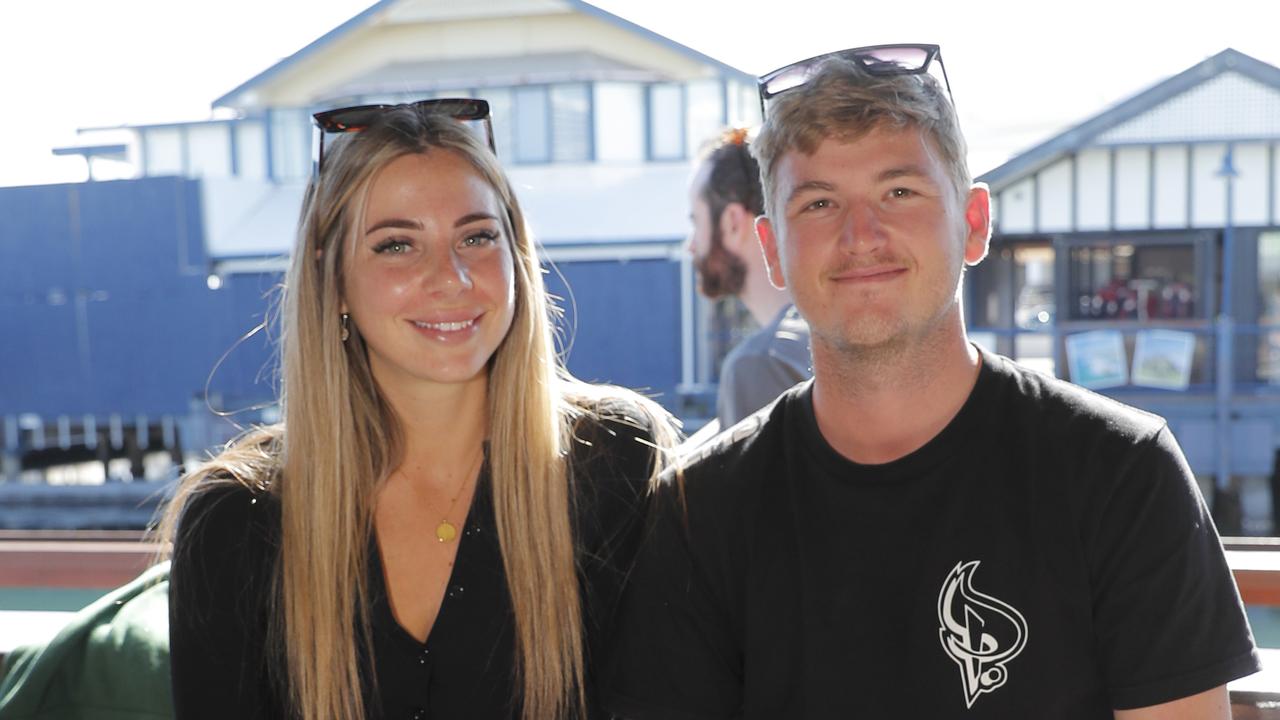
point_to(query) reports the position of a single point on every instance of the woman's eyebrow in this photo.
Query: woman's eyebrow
(403, 224)
(397, 223)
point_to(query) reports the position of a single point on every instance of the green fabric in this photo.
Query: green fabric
(111, 661)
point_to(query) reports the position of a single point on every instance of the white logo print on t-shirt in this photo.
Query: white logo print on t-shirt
(979, 632)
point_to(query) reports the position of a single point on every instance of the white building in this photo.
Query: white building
(596, 120)
(1116, 231)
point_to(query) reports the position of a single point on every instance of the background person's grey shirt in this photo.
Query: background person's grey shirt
(760, 368)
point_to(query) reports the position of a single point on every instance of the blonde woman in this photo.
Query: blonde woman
(440, 526)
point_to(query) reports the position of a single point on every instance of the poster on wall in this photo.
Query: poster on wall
(1096, 359)
(1162, 359)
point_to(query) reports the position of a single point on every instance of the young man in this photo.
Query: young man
(724, 199)
(926, 530)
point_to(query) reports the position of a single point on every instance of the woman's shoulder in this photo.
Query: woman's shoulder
(622, 430)
(227, 509)
(617, 445)
(233, 490)
(224, 501)
(222, 517)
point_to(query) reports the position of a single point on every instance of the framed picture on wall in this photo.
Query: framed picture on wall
(1096, 359)
(1162, 359)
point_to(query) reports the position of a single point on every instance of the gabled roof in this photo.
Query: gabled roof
(685, 50)
(315, 46)
(422, 75)
(1087, 132)
(369, 14)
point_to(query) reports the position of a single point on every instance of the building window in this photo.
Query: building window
(163, 151)
(571, 123)
(619, 122)
(250, 149)
(1269, 307)
(666, 122)
(1013, 290)
(1133, 282)
(1033, 304)
(290, 144)
(532, 120)
(706, 113)
(502, 110)
(531, 124)
(208, 150)
(540, 124)
(744, 104)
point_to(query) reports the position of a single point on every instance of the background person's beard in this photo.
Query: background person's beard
(720, 272)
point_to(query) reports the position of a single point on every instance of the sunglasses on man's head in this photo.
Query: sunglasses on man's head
(355, 119)
(873, 59)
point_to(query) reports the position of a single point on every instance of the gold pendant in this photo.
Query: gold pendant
(445, 531)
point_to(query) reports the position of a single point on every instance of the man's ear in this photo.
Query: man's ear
(769, 246)
(977, 222)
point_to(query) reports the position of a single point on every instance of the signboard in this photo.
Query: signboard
(1162, 359)
(1096, 359)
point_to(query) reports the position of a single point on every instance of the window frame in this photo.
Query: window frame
(682, 120)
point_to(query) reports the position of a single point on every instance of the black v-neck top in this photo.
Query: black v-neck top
(227, 545)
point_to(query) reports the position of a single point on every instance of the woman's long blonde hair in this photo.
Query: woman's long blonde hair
(342, 439)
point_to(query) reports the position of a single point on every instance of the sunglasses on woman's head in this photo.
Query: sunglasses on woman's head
(873, 59)
(355, 119)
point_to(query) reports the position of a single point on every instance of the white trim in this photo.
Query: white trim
(688, 299)
(248, 266)
(169, 431)
(621, 252)
(116, 431)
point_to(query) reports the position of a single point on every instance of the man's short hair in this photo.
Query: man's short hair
(733, 175)
(845, 102)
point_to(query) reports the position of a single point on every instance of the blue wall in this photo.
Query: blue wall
(104, 306)
(627, 319)
(105, 309)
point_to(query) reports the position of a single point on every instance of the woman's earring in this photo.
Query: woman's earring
(346, 331)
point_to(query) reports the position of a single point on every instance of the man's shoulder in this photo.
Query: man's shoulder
(1036, 400)
(755, 345)
(788, 329)
(791, 325)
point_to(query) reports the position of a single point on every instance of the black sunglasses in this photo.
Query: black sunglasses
(358, 118)
(874, 59)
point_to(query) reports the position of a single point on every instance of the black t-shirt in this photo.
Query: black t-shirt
(221, 581)
(1047, 555)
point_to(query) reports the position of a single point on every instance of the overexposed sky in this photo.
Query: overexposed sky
(1020, 71)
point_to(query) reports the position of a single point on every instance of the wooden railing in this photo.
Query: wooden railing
(57, 559)
(1255, 562)
(79, 559)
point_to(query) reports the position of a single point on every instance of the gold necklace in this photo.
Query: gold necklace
(447, 531)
